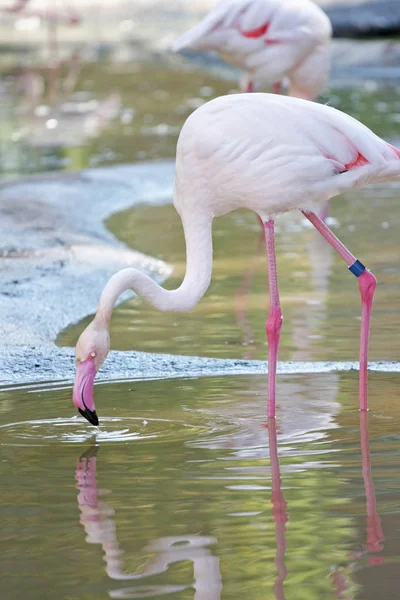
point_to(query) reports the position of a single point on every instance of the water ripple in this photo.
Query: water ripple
(76, 430)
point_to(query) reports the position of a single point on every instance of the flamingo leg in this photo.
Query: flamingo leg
(274, 323)
(276, 87)
(367, 285)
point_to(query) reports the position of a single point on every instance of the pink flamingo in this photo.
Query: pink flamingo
(53, 19)
(270, 154)
(269, 40)
(97, 518)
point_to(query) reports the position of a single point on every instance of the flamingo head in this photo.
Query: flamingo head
(90, 353)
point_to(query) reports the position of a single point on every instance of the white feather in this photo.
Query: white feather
(273, 153)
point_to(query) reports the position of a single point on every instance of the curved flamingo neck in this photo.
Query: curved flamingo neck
(198, 239)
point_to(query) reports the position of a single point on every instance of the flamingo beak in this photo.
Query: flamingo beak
(82, 395)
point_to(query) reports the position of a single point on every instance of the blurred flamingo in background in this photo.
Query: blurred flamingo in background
(17, 6)
(52, 18)
(69, 16)
(270, 40)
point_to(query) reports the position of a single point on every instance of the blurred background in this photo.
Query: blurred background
(87, 83)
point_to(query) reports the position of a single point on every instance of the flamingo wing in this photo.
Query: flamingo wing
(257, 23)
(275, 153)
(229, 20)
(197, 36)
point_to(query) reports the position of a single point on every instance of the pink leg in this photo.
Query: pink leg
(274, 323)
(250, 87)
(276, 87)
(367, 285)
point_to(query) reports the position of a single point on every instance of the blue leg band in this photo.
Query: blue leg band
(357, 268)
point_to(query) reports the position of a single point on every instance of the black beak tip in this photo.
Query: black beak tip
(90, 415)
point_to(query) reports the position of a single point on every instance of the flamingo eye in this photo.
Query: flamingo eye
(93, 354)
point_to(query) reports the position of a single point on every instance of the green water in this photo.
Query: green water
(151, 101)
(175, 491)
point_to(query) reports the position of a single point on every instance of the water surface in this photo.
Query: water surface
(194, 496)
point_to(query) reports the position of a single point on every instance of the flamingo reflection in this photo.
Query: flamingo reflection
(375, 537)
(97, 518)
(279, 510)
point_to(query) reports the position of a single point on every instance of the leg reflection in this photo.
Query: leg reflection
(279, 510)
(375, 537)
(97, 518)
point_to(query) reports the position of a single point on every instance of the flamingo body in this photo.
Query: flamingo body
(267, 153)
(272, 154)
(269, 40)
